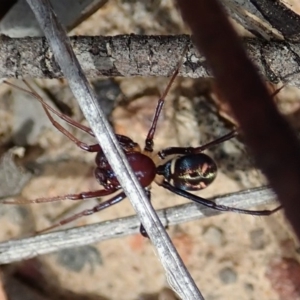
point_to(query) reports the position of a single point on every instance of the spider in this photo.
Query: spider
(188, 169)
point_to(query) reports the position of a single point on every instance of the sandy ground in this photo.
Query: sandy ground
(230, 256)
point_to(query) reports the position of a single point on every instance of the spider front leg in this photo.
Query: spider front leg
(69, 135)
(62, 116)
(47, 108)
(150, 136)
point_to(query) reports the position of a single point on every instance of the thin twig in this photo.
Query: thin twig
(137, 55)
(16, 250)
(176, 272)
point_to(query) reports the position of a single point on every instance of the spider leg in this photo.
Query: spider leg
(60, 115)
(191, 150)
(215, 206)
(69, 135)
(150, 136)
(114, 200)
(126, 143)
(79, 196)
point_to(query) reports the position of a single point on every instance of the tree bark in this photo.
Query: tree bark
(137, 55)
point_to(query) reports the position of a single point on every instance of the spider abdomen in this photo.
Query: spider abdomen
(190, 172)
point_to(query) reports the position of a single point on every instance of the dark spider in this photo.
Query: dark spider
(189, 170)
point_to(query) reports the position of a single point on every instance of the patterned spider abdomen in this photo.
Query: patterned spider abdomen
(189, 172)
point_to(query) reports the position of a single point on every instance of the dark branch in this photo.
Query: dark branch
(273, 144)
